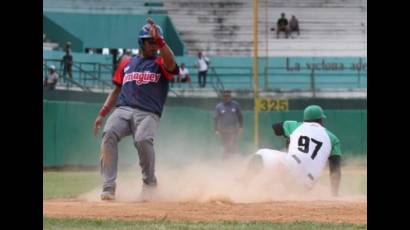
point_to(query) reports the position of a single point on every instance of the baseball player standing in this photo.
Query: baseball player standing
(141, 88)
(311, 146)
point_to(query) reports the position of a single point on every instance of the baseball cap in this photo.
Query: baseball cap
(313, 112)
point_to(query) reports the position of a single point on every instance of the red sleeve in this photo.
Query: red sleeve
(119, 72)
(168, 75)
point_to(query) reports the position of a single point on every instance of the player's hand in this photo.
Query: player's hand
(97, 124)
(153, 30)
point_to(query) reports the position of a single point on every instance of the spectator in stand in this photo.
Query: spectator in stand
(183, 75)
(282, 26)
(202, 64)
(293, 25)
(67, 62)
(51, 79)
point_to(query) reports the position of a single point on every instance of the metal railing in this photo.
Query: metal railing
(95, 77)
(216, 81)
(70, 82)
(86, 76)
(231, 77)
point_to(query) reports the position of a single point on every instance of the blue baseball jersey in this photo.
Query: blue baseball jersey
(144, 83)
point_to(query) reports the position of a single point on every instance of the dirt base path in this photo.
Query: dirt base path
(338, 211)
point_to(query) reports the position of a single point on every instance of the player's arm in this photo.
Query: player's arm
(335, 164)
(278, 129)
(285, 128)
(335, 174)
(169, 60)
(111, 99)
(112, 96)
(165, 52)
(108, 104)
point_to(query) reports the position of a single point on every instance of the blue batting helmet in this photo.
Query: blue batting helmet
(144, 33)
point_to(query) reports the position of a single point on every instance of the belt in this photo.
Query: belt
(143, 109)
(299, 161)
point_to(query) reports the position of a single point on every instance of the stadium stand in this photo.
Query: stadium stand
(328, 27)
(333, 33)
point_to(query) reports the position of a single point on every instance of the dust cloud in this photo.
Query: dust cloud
(214, 180)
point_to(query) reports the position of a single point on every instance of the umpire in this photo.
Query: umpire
(228, 123)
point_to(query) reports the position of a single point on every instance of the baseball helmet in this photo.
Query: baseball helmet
(144, 33)
(313, 112)
(52, 67)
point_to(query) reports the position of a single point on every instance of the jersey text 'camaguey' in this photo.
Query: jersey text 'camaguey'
(144, 83)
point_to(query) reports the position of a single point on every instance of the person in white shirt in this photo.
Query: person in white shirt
(183, 75)
(51, 79)
(202, 64)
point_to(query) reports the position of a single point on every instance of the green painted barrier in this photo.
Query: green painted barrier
(105, 30)
(185, 133)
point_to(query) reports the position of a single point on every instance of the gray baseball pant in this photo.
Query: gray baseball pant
(141, 125)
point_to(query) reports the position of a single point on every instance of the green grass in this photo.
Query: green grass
(69, 184)
(84, 224)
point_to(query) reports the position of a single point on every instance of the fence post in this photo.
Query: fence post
(358, 73)
(312, 82)
(212, 69)
(99, 76)
(266, 78)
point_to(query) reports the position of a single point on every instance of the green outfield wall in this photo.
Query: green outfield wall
(185, 133)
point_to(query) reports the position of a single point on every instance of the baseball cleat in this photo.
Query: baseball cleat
(107, 196)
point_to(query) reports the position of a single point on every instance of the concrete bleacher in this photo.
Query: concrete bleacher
(328, 27)
(218, 27)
